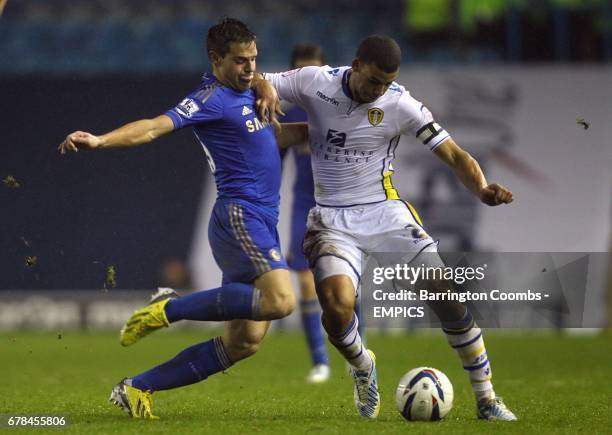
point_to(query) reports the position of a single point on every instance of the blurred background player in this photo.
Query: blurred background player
(256, 286)
(175, 274)
(302, 55)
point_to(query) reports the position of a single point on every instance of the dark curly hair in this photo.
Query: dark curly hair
(227, 31)
(382, 51)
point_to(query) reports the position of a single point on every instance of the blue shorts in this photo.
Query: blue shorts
(244, 240)
(299, 215)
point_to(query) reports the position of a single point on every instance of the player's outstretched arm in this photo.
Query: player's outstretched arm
(292, 133)
(468, 171)
(132, 134)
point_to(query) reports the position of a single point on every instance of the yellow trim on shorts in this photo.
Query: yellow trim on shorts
(388, 186)
(413, 212)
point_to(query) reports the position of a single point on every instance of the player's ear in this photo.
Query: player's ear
(355, 65)
(214, 58)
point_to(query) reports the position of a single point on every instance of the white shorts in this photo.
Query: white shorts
(339, 240)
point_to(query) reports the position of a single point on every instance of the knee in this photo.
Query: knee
(446, 310)
(277, 303)
(284, 302)
(244, 348)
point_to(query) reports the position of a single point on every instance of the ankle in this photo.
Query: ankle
(488, 394)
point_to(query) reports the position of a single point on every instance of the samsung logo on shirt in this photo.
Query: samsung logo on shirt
(255, 124)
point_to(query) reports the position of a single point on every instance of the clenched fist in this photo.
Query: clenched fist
(495, 194)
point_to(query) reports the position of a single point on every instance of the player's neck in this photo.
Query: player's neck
(354, 95)
(221, 79)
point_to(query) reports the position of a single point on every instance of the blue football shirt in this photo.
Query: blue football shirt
(241, 150)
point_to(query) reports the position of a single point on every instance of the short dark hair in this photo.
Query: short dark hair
(227, 31)
(306, 50)
(382, 51)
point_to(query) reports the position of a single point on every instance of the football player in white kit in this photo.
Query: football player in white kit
(356, 115)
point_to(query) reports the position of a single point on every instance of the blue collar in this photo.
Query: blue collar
(345, 83)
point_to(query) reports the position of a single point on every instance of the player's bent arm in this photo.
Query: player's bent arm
(132, 134)
(267, 102)
(467, 169)
(292, 133)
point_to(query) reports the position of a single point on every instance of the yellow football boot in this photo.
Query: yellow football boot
(143, 322)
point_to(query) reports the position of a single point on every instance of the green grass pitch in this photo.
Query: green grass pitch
(554, 383)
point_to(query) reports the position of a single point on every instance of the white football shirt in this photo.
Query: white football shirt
(353, 145)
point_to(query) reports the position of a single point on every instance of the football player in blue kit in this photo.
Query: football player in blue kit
(243, 154)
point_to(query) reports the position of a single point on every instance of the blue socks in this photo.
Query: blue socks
(311, 322)
(231, 301)
(191, 365)
(196, 363)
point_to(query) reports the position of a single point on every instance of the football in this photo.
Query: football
(424, 394)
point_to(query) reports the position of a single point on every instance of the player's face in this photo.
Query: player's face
(368, 82)
(237, 68)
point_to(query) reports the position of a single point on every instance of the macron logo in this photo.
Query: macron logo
(327, 99)
(246, 111)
